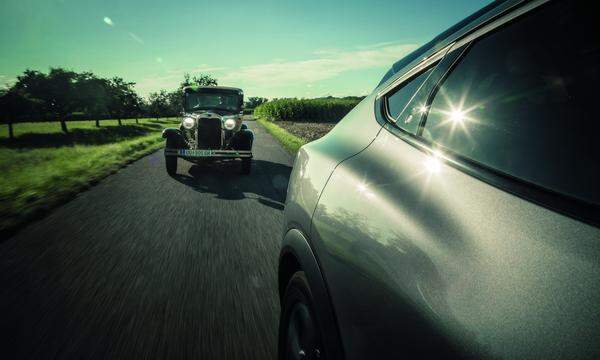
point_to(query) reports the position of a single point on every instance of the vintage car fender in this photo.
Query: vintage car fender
(168, 132)
(175, 134)
(243, 139)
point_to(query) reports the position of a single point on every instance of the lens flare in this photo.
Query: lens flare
(457, 116)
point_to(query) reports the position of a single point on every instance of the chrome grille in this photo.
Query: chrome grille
(209, 133)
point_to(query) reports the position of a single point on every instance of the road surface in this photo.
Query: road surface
(148, 266)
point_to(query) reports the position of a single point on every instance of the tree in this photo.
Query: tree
(132, 105)
(175, 101)
(13, 104)
(158, 103)
(253, 102)
(92, 95)
(200, 80)
(55, 91)
(122, 97)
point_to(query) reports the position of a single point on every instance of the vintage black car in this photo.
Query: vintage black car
(211, 128)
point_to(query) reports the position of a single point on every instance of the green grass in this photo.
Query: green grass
(290, 142)
(42, 167)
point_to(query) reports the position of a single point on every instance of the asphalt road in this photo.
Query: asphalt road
(148, 266)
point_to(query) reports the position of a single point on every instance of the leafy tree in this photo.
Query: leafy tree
(132, 105)
(200, 80)
(92, 95)
(121, 97)
(175, 101)
(55, 91)
(12, 104)
(158, 103)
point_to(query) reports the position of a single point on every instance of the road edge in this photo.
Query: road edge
(43, 209)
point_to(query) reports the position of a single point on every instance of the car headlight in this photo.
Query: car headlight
(188, 122)
(229, 124)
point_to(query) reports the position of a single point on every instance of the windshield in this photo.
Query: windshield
(203, 101)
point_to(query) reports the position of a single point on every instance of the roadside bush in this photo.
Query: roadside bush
(309, 110)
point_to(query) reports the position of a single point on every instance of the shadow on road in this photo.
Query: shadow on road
(267, 183)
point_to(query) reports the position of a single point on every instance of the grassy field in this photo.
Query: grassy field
(289, 141)
(42, 167)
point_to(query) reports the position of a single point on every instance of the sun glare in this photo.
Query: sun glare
(457, 116)
(433, 163)
(361, 187)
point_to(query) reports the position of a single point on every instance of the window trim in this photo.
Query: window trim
(553, 200)
(386, 99)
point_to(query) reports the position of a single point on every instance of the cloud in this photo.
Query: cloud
(7, 81)
(330, 63)
(204, 68)
(152, 84)
(108, 21)
(136, 38)
(171, 79)
(280, 78)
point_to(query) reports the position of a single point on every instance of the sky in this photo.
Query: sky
(273, 49)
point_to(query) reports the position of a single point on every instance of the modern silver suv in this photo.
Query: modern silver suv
(454, 212)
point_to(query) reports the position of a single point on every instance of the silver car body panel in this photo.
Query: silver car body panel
(422, 258)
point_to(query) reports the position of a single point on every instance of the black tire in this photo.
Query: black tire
(246, 165)
(171, 161)
(300, 336)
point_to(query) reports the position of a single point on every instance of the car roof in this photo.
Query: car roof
(460, 29)
(194, 88)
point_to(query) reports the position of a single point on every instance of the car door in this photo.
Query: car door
(469, 227)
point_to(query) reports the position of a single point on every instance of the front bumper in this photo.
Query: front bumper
(208, 153)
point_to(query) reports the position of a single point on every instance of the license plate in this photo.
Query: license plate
(187, 152)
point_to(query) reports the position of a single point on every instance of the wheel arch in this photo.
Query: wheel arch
(297, 255)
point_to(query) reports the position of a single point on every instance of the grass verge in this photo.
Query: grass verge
(289, 141)
(42, 168)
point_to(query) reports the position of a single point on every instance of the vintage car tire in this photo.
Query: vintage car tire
(298, 310)
(246, 165)
(171, 161)
(171, 164)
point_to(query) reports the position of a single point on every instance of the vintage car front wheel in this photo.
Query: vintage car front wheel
(171, 161)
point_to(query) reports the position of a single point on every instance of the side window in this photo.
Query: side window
(398, 100)
(522, 101)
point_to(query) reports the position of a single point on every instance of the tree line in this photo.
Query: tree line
(61, 95)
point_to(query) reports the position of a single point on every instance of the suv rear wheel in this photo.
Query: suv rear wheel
(299, 332)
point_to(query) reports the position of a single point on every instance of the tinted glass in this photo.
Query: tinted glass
(398, 100)
(522, 101)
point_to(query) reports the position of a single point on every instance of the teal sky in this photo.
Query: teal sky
(269, 48)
